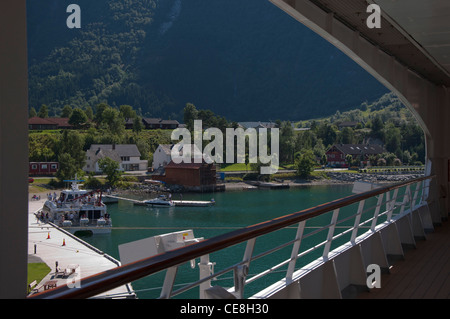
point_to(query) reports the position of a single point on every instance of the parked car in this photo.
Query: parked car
(30, 180)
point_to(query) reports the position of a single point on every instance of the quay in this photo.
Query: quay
(180, 203)
(268, 185)
(49, 244)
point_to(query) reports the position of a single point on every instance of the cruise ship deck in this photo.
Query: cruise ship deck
(409, 53)
(424, 273)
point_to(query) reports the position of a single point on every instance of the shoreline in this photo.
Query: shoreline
(334, 179)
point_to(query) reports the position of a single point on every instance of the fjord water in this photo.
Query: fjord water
(233, 209)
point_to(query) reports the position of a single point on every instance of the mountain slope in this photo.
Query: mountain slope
(245, 60)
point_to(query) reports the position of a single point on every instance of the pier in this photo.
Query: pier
(179, 203)
(76, 259)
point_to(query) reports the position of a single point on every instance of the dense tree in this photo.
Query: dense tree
(287, 142)
(392, 139)
(32, 112)
(305, 164)
(89, 112)
(78, 118)
(111, 169)
(66, 111)
(127, 112)
(72, 143)
(138, 126)
(43, 111)
(190, 114)
(347, 136)
(68, 167)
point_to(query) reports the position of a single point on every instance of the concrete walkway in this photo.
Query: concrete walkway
(50, 245)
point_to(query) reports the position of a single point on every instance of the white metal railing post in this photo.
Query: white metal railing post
(206, 269)
(326, 248)
(357, 220)
(241, 271)
(390, 205)
(377, 212)
(419, 185)
(406, 198)
(169, 279)
(295, 249)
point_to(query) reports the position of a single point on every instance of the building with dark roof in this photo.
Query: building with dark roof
(127, 155)
(50, 123)
(196, 177)
(337, 154)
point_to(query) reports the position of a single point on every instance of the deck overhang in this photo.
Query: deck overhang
(409, 54)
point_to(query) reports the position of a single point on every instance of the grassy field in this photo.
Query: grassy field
(37, 271)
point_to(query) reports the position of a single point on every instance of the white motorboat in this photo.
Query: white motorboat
(160, 201)
(77, 210)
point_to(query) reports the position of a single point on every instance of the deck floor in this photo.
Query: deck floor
(423, 274)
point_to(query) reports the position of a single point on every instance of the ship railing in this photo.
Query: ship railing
(388, 204)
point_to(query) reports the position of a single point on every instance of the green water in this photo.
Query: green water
(233, 209)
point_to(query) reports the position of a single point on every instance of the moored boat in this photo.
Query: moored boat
(160, 201)
(77, 209)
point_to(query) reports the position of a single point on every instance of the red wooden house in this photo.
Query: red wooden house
(337, 154)
(43, 168)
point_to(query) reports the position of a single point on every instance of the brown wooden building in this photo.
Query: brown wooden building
(192, 176)
(51, 123)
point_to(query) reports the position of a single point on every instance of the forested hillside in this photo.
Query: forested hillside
(245, 60)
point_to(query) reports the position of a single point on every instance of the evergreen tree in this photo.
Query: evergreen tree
(190, 114)
(66, 111)
(43, 111)
(32, 112)
(78, 118)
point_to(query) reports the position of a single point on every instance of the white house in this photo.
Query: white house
(127, 155)
(162, 155)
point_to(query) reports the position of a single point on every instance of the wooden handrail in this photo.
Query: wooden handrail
(110, 279)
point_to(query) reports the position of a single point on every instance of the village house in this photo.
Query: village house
(337, 154)
(257, 125)
(163, 154)
(43, 168)
(50, 123)
(127, 155)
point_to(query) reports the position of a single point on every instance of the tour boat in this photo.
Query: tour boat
(77, 210)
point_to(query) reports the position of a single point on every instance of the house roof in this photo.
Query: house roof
(357, 149)
(59, 121)
(166, 148)
(120, 149)
(40, 120)
(169, 122)
(151, 120)
(185, 165)
(247, 125)
(102, 153)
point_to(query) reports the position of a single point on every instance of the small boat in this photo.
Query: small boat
(160, 201)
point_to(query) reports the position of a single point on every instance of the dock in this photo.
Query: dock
(49, 244)
(193, 203)
(179, 203)
(268, 185)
